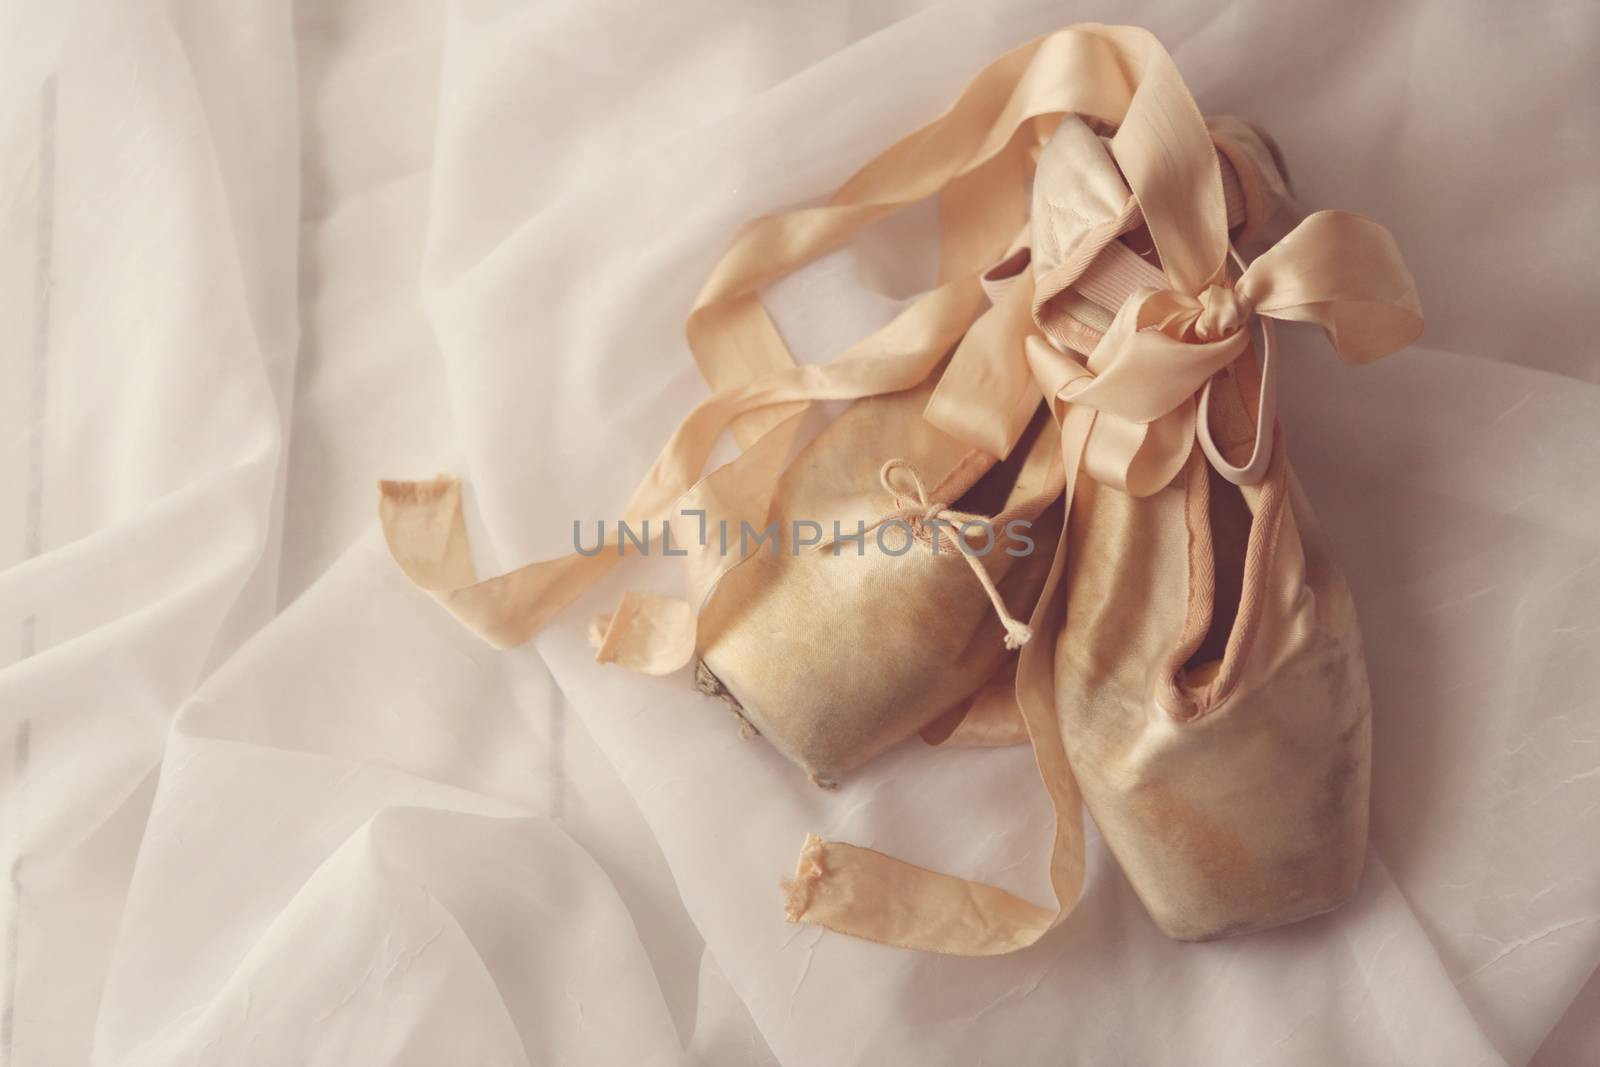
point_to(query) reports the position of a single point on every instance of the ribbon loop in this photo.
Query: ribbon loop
(1343, 272)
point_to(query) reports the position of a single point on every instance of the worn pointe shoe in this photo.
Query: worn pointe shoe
(1210, 687)
(1213, 695)
(837, 650)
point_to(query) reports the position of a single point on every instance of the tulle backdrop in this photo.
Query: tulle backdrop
(260, 802)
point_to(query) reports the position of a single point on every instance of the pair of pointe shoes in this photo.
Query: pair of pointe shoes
(1210, 688)
(1091, 472)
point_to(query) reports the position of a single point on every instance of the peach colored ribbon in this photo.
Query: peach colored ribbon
(1340, 271)
(988, 393)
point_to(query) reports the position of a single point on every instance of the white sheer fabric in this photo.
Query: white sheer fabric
(262, 802)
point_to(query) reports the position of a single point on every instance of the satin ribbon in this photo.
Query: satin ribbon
(1338, 270)
(1083, 204)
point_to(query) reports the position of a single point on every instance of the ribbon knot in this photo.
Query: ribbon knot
(1142, 381)
(1222, 313)
(916, 506)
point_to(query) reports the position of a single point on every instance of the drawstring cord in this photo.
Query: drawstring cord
(922, 512)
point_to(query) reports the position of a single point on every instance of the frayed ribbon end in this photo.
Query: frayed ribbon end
(797, 891)
(599, 626)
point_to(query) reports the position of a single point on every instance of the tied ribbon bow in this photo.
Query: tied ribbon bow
(917, 510)
(1222, 313)
(1147, 381)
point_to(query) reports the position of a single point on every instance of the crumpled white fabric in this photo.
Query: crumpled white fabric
(261, 802)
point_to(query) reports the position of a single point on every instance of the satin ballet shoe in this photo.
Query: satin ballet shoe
(853, 634)
(1212, 691)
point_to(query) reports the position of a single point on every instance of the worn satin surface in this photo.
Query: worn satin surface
(1233, 790)
(909, 633)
